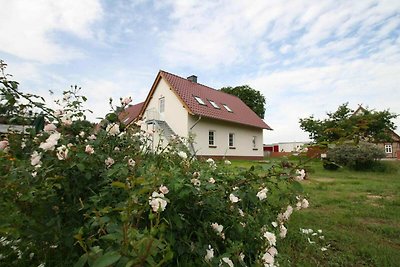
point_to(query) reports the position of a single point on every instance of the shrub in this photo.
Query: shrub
(360, 157)
(73, 195)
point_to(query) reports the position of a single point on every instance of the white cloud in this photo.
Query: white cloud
(28, 27)
(302, 92)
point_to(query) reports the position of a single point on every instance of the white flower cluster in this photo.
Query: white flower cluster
(218, 228)
(89, 149)
(35, 159)
(212, 163)
(302, 203)
(233, 198)
(109, 162)
(112, 129)
(157, 200)
(209, 254)
(262, 194)
(195, 181)
(269, 257)
(227, 261)
(51, 142)
(300, 175)
(4, 145)
(126, 100)
(182, 155)
(62, 152)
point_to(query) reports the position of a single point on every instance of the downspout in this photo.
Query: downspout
(190, 131)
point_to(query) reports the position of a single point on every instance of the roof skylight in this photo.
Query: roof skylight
(199, 100)
(227, 108)
(214, 104)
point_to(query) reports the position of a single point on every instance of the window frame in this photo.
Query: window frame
(388, 149)
(254, 142)
(231, 137)
(200, 100)
(227, 108)
(211, 138)
(161, 103)
(215, 105)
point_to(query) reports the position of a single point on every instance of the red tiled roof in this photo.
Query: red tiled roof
(130, 113)
(186, 90)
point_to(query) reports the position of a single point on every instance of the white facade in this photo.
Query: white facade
(242, 144)
(231, 139)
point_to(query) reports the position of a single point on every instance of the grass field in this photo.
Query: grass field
(358, 213)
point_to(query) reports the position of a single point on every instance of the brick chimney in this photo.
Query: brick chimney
(192, 78)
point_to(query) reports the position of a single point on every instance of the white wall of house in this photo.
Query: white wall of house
(243, 138)
(174, 112)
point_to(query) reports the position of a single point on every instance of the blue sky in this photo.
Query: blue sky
(306, 57)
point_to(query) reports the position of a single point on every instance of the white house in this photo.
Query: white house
(222, 125)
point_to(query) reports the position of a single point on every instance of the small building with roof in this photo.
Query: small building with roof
(221, 125)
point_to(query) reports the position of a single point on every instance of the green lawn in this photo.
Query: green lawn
(358, 213)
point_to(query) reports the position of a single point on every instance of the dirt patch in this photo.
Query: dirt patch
(371, 196)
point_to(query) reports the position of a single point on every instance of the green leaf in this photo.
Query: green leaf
(297, 186)
(118, 184)
(82, 260)
(107, 259)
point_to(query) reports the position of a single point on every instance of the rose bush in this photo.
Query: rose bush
(75, 194)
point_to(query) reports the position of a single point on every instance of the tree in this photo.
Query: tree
(345, 125)
(251, 97)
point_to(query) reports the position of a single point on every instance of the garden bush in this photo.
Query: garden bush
(360, 157)
(75, 194)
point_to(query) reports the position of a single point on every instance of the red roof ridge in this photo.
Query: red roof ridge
(185, 89)
(208, 87)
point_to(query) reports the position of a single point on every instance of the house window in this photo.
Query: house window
(214, 104)
(199, 100)
(254, 141)
(227, 108)
(388, 149)
(211, 138)
(231, 140)
(162, 104)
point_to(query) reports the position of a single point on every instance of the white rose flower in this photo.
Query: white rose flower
(62, 152)
(268, 259)
(89, 149)
(271, 238)
(233, 198)
(4, 144)
(49, 128)
(125, 101)
(211, 180)
(182, 154)
(227, 261)
(195, 181)
(209, 254)
(157, 201)
(163, 189)
(304, 203)
(112, 129)
(227, 162)
(109, 161)
(217, 227)
(272, 251)
(35, 158)
(131, 162)
(92, 137)
(262, 194)
(283, 231)
(50, 142)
